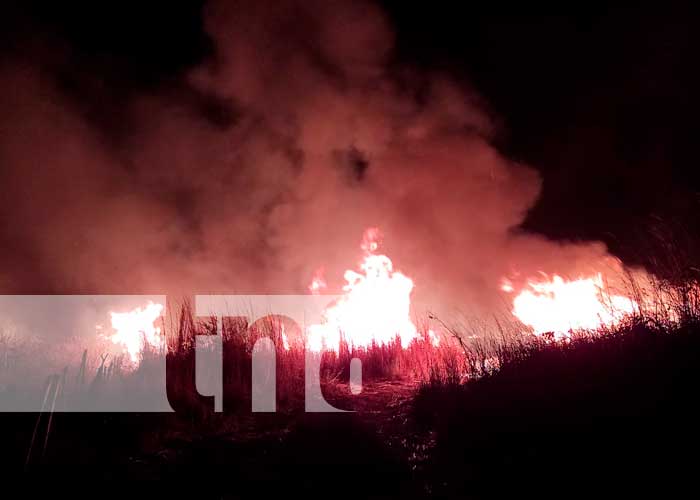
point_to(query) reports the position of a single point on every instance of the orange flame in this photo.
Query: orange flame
(375, 308)
(134, 330)
(558, 306)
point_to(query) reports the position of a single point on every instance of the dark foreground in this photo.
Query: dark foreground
(617, 410)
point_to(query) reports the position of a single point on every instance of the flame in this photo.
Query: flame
(558, 306)
(318, 283)
(375, 308)
(434, 339)
(134, 330)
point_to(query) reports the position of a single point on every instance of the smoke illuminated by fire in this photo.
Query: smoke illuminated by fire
(559, 306)
(375, 308)
(134, 330)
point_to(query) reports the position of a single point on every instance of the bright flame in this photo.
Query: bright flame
(374, 309)
(318, 283)
(434, 339)
(134, 330)
(559, 306)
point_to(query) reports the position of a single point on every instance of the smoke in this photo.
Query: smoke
(260, 165)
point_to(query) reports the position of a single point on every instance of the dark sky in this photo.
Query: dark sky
(601, 100)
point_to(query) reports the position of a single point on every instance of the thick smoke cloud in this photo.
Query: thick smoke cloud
(315, 134)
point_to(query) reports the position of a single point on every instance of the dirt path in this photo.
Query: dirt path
(387, 408)
(376, 441)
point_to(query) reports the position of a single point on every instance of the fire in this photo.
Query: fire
(559, 306)
(134, 330)
(434, 339)
(375, 308)
(318, 283)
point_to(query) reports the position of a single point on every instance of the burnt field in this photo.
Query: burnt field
(618, 405)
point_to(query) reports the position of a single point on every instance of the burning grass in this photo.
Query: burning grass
(528, 407)
(491, 398)
(485, 406)
(439, 355)
(420, 360)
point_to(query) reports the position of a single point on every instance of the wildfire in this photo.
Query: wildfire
(375, 308)
(559, 306)
(134, 330)
(318, 283)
